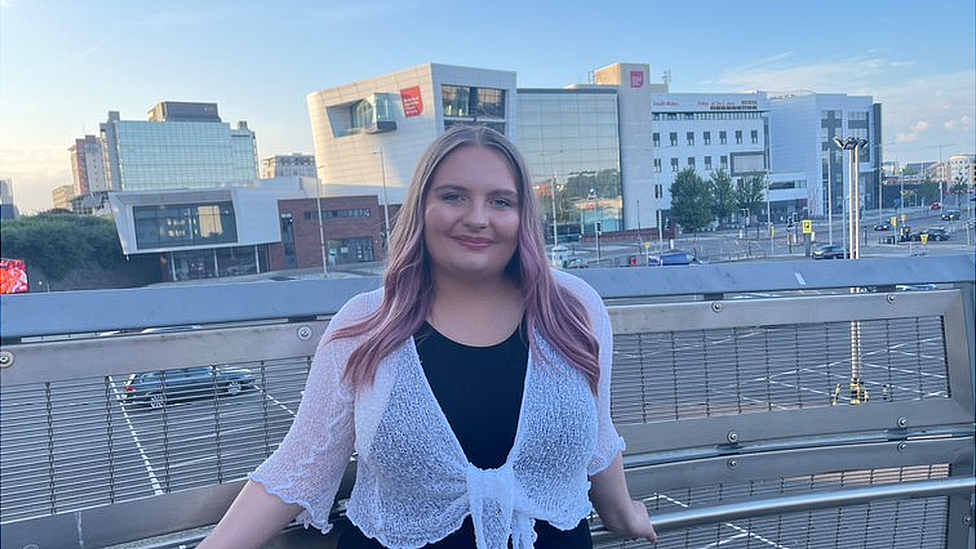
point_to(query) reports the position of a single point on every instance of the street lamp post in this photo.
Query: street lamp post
(386, 200)
(318, 203)
(596, 225)
(830, 200)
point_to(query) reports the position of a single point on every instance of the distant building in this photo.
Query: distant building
(960, 168)
(88, 166)
(246, 229)
(61, 197)
(182, 145)
(802, 127)
(7, 208)
(288, 165)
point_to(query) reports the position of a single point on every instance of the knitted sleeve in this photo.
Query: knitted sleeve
(308, 465)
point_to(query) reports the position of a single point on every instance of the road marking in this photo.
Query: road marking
(273, 399)
(156, 486)
(742, 531)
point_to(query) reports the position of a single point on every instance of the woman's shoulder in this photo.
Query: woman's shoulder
(357, 308)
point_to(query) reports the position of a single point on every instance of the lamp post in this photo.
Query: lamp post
(853, 147)
(386, 200)
(552, 189)
(322, 245)
(830, 200)
(596, 224)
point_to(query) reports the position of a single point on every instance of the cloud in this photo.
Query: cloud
(917, 130)
(964, 123)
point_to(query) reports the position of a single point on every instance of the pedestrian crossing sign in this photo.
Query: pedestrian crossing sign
(807, 226)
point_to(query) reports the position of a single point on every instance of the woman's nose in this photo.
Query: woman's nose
(476, 215)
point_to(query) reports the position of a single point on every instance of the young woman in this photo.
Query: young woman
(474, 386)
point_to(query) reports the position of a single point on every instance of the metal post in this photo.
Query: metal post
(555, 233)
(769, 217)
(830, 194)
(386, 202)
(318, 202)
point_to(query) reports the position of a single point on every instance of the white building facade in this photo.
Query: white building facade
(88, 166)
(802, 127)
(288, 165)
(373, 132)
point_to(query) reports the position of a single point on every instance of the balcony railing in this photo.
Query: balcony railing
(764, 404)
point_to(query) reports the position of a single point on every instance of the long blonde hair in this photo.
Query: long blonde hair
(557, 315)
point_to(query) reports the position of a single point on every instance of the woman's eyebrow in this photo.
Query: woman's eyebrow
(447, 187)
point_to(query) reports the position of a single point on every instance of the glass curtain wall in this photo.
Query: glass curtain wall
(570, 139)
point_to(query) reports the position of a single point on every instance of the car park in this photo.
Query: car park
(950, 215)
(672, 257)
(830, 251)
(161, 387)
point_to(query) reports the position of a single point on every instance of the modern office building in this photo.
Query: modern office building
(88, 166)
(61, 197)
(960, 169)
(246, 229)
(7, 208)
(373, 132)
(288, 165)
(802, 127)
(604, 152)
(182, 145)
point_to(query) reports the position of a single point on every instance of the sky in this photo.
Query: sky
(65, 63)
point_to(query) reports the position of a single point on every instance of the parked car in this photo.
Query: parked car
(936, 206)
(950, 215)
(672, 257)
(935, 233)
(159, 388)
(830, 251)
(883, 226)
(575, 263)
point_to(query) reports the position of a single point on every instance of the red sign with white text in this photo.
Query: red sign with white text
(413, 103)
(13, 276)
(636, 79)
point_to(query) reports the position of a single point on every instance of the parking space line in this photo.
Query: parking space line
(156, 486)
(273, 399)
(742, 531)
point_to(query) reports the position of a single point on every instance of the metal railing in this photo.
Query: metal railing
(735, 386)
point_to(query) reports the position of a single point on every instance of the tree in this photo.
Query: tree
(691, 201)
(723, 195)
(79, 252)
(959, 188)
(750, 193)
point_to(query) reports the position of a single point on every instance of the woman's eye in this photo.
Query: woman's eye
(502, 203)
(451, 197)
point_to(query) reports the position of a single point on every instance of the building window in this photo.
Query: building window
(674, 164)
(345, 213)
(707, 138)
(691, 161)
(722, 138)
(656, 139)
(657, 165)
(471, 102)
(708, 163)
(658, 191)
(690, 136)
(738, 137)
(755, 136)
(350, 250)
(724, 162)
(171, 225)
(674, 139)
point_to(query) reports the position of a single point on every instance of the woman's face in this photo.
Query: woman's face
(471, 214)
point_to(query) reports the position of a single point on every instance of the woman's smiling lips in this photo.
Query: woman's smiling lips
(473, 243)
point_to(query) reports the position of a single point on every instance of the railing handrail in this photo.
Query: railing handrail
(42, 314)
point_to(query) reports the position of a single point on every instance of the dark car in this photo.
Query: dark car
(158, 388)
(672, 257)
(950, 215)
(935, 233)
(883, 226)
(830, 251)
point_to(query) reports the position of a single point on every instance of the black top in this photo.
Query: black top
(479, 390)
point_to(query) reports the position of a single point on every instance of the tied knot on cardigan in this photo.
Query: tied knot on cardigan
(496, 519)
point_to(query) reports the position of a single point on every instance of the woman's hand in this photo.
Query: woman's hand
(619, 513)
(639, 525)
